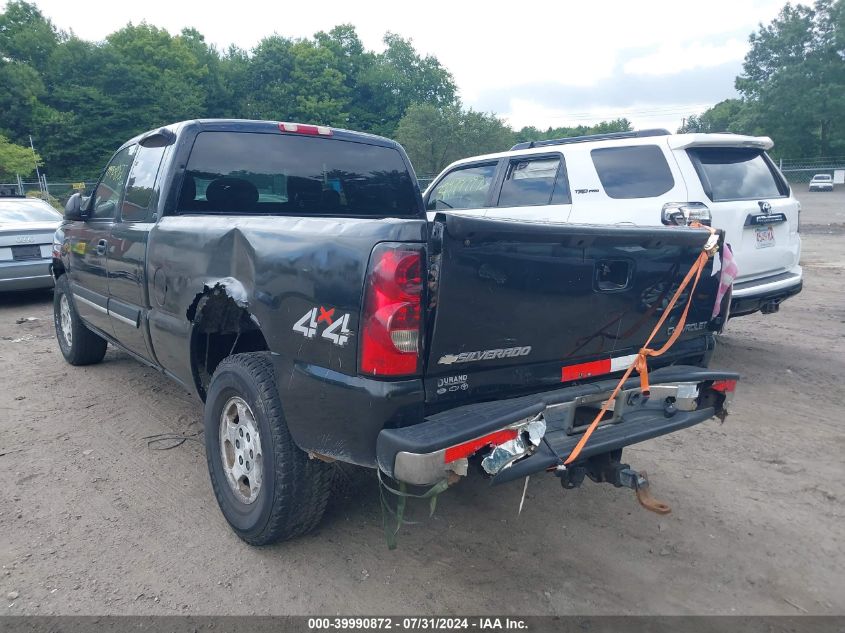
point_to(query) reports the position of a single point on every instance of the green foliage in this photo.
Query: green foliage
(605, 127)
(80, 100)
(792, 85)
(726, 116)
(16, 159)
(22, 88)
(434, 136)
(26, 35)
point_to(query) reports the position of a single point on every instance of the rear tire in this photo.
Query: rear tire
(283, 493)
(79, 345)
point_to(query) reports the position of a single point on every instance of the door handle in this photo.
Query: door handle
(101, 247)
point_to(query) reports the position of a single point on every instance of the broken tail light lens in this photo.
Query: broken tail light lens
(724, 386)
(391, 319)
(468, 448)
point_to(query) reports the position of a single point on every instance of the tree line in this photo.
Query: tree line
(79, 100)
(792, 87)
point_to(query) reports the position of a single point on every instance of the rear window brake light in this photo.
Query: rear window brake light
(301, 128)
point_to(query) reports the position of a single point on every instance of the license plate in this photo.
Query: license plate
(22, 253)
(765, 236)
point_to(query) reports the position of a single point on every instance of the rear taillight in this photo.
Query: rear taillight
(684, 213)
(391, 319)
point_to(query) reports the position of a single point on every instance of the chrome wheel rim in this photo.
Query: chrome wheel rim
(240, 450)
(65, 320)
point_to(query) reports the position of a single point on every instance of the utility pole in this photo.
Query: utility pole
(37, 171)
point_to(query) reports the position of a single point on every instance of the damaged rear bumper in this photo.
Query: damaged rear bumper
(425, 453)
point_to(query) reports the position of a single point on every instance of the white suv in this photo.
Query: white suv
(646, 177)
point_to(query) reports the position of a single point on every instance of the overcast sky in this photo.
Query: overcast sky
(533, 63)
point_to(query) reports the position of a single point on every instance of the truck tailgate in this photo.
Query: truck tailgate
(518, 306)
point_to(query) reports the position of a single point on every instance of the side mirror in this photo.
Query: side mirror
(74, 208)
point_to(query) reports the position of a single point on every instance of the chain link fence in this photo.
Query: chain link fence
(801, 170)
(56, 193)
(425, 181)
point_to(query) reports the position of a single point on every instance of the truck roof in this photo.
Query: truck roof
(256, 126)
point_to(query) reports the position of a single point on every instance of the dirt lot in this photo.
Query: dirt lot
(93, 521)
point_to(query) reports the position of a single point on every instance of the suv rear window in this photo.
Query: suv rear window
(635, 171)
(735, 173)
(254, 173)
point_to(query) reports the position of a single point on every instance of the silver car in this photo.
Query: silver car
(27, 226)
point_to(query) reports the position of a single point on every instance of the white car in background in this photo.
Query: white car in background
(27, 226)
(648, 177)
(821, 182)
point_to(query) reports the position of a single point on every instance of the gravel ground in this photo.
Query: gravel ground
(92, 521)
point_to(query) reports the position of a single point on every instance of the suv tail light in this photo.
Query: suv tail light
(391, 320)
(684, 213)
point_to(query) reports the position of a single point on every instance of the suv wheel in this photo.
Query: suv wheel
(79, 345)
(267, 487)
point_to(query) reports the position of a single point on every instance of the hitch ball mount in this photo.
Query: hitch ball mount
(608, 469)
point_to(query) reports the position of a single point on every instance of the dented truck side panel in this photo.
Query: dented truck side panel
(280, 269)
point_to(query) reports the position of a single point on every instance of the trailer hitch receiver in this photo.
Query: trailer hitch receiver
(608, 468)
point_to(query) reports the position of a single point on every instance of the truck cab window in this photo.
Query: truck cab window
(112, 185)
(463, 188)
(250, 173)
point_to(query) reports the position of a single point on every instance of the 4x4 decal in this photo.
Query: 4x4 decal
(337, 330)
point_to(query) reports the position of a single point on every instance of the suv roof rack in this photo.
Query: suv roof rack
(592, 137)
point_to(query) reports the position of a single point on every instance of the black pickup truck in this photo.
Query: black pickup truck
(287, 275)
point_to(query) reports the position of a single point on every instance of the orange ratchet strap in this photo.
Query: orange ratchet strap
(640, 362)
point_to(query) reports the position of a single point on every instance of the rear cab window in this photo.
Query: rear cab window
(532, 181)
(633, 171)
(737, 173)
(260, 173)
